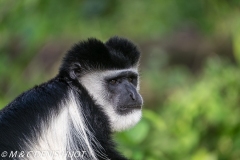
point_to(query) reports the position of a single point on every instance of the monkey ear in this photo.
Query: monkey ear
(75, 70)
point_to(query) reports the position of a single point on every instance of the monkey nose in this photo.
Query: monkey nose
(132, 95)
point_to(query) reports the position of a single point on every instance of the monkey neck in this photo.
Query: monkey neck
(97, 123)
(96, 119)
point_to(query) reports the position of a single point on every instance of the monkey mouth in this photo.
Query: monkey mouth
(126, 109)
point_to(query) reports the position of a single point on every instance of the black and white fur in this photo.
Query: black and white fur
(94, 94)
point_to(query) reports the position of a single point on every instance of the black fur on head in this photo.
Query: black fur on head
(92, 55)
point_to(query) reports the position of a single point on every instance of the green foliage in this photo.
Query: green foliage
(236, 42)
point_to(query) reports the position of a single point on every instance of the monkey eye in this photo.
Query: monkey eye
(130, 79)
(113, 81)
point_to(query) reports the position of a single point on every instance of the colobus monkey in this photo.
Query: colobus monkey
(94, 94)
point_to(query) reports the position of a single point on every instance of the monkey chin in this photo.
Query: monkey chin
(125, 121)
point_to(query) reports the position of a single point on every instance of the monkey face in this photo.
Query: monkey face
(116, 91)
(123, 94)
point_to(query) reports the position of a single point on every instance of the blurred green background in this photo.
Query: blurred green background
(190, 77)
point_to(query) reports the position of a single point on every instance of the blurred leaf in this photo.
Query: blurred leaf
(154, 119)
(138, 133)
(202, 154)
(236, 44)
